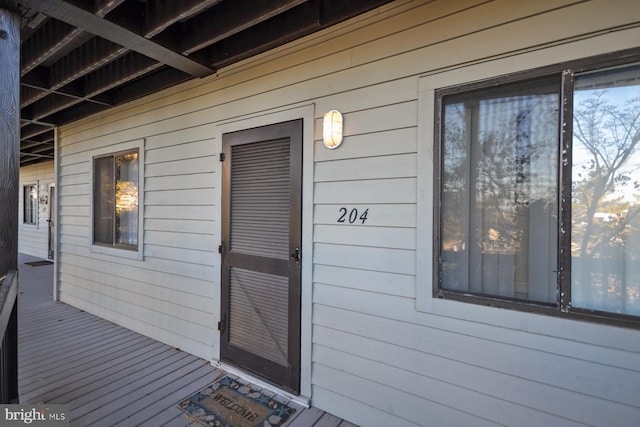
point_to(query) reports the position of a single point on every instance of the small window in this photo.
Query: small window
(30, 200)
(532, 213)
(115, 198)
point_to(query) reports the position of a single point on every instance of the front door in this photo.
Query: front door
(51, 221)
(261, 241)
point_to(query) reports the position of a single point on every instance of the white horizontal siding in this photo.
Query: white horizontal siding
(377, 360)
(539, 363)
(501, 375)
(374, 281)
(388, 237)
(396, 191)
(382, 215)
(181, 225)
(408, 408)
(400, 261)
(368, 333)
(34, 239)
(171, 290)
(397, 166)
(390, 142)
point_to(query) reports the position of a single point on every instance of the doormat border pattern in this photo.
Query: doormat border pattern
(196, 407)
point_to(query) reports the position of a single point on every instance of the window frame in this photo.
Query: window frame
(565, 72)
(118, 250)
(26, 202)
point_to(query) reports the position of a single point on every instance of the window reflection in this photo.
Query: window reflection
(127, 199)
(499, 183)
(605, 239)
(30, 199)
(115, 215)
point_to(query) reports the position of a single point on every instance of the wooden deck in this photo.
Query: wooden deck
(106, 374)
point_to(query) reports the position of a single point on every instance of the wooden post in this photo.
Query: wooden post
(9, 135)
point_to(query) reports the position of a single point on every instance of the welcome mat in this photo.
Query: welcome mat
(38, 263)
(230, 403)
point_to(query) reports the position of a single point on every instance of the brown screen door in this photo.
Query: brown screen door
(51, 221)
(261, 237)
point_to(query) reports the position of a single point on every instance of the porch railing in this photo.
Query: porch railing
(9, 335)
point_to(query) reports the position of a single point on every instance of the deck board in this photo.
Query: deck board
(106, 374)
(328, 420)
(90, 378)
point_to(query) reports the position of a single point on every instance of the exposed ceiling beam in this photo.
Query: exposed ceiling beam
(87, 58)
(225, 20)
(81, 57)
(115, 73)
(160, 79)
(102, 7)
(163, 13)
(45, 147)
(31, 143)
(36, 122)
(76, 112)
(88, 21)
(38, 135)
(45, 42)
(48, 156)
(298, 22)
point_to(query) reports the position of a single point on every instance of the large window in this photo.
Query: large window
(539, 198)
(115, 200)
(30, 204)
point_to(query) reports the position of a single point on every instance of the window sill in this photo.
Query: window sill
(117, 252)
(459, 305)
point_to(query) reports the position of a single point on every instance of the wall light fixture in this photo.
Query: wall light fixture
(332, 129)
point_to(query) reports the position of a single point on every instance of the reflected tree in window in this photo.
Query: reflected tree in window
(605, 186)
(539, 183)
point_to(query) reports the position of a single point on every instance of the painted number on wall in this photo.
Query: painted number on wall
(352, 216)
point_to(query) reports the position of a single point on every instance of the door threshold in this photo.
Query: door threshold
(233, 370)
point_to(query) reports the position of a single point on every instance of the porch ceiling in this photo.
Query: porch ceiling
(79, 57)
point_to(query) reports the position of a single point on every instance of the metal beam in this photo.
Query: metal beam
(94, 24)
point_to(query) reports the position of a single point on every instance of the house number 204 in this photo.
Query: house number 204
(352, 215)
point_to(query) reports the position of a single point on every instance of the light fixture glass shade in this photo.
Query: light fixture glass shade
(332, 129)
